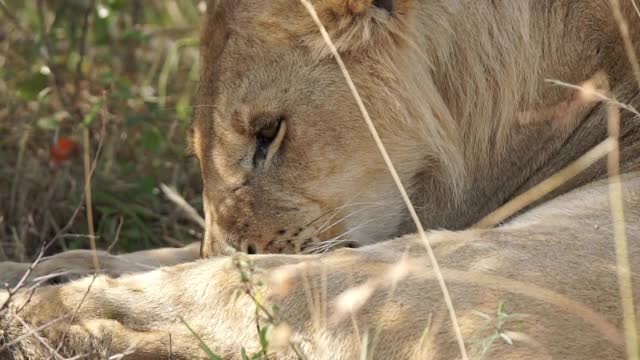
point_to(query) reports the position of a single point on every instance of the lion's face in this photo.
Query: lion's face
(287, 161)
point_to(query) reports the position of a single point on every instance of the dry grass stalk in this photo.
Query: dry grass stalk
(32, 331)
(616, 200)
(550, 184)
(76, 311)
(594, 94)
(179, 201)
(589, 93)
(87, 195)
(635, 7)
(394, 174)
(89, 168)
(44, 342)
(626, 37)
(619, 232)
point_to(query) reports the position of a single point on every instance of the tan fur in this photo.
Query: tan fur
(457, 90)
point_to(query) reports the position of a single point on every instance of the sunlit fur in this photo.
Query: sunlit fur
(457, 90)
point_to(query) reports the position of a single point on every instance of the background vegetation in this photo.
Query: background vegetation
(123, 72)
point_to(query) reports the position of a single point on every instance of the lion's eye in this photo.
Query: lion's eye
(268, 140)
(269, 132)
(384, 4)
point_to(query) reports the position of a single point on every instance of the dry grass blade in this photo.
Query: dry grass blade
(76, 311)
(34, 263)
(619, 233)
(124, 354)
(556, 180)
(597, 95)
(177, 199)
(88, 172)
(201, 343)
(394, 174)
(626, 38)
(399, 270)
(635, 7)
(53, 352)
(615, 194)
(32, 331)
(87, 195)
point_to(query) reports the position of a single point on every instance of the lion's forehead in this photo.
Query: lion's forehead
(271, 22)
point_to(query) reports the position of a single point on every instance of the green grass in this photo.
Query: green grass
(140, 62)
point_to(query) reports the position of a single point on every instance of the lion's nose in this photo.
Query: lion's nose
(251, 249)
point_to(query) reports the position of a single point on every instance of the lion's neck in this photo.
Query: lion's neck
(516, 129)
(534, 154)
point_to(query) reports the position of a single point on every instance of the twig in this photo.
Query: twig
(394, 174)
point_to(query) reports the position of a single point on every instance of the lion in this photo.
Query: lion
(459, 93)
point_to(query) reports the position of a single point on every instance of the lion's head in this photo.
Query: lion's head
(287, 161)
(286, 158)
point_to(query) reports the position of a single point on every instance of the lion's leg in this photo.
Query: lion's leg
(79, 263)
(138, 313)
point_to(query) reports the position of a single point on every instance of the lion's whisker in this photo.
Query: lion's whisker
(336, 209)
(324, 226)
(324, 248)
(339, 239)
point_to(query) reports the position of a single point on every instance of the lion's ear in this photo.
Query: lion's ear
(354, 7)
(215, 31)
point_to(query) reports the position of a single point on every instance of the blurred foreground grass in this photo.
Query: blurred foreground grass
(62, 63)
